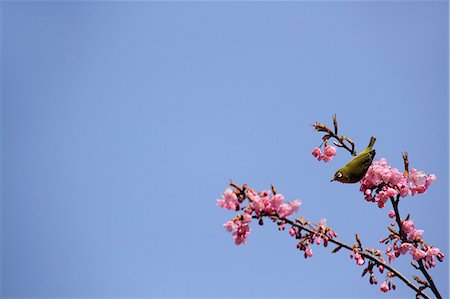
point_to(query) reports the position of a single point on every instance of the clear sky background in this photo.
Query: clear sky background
(123, 122)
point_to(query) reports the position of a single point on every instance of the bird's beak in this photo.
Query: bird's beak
(332, 180)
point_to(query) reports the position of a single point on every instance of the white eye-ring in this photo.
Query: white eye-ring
(339, 175)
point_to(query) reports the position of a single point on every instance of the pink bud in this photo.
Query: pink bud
(308, 252)
(360, 261)
(317, 152)
(408, 226)
(292, 232)
(374, 280)
(384, 287)
(391, 214)
(330, 151)
(318, 240)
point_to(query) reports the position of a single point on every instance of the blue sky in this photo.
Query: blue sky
(123, 122)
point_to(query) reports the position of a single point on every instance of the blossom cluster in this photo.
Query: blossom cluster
(259, 204)
(272, 205)
(263, 202)
(327, 155)
(239, 228)
(413, 244)
(382, 182)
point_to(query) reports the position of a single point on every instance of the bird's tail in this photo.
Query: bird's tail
(372, 142)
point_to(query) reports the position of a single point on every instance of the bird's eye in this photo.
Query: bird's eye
(339, 175)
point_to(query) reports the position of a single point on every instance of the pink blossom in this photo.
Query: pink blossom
(317, 153)
(329, 153)
(357, 256)
(229, 226)
(276, 200)
(420, 181)
(274, 203)
(229, 200)
(295, 205)
(241, 232)
(417, 177)
(385, 175)
(285, 210)
(408, 226)
(258, 204)
(384, 287)
(404, 190)
(247, 218)
(404, 248)
(433, 252)
(360, 261)
(391, 256)
(417, 254)
(381, 198)
(391, 192)
(415, 234)
(252, 194)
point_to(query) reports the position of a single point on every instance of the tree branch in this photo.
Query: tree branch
(422, 268)
(363, 253)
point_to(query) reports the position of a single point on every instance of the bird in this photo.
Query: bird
(355, 170)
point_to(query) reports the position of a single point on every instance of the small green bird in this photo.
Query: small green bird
(355, 170)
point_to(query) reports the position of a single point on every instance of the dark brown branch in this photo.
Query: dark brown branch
(398, 219)
(429, 279)
(363, 253)
(404, 239)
